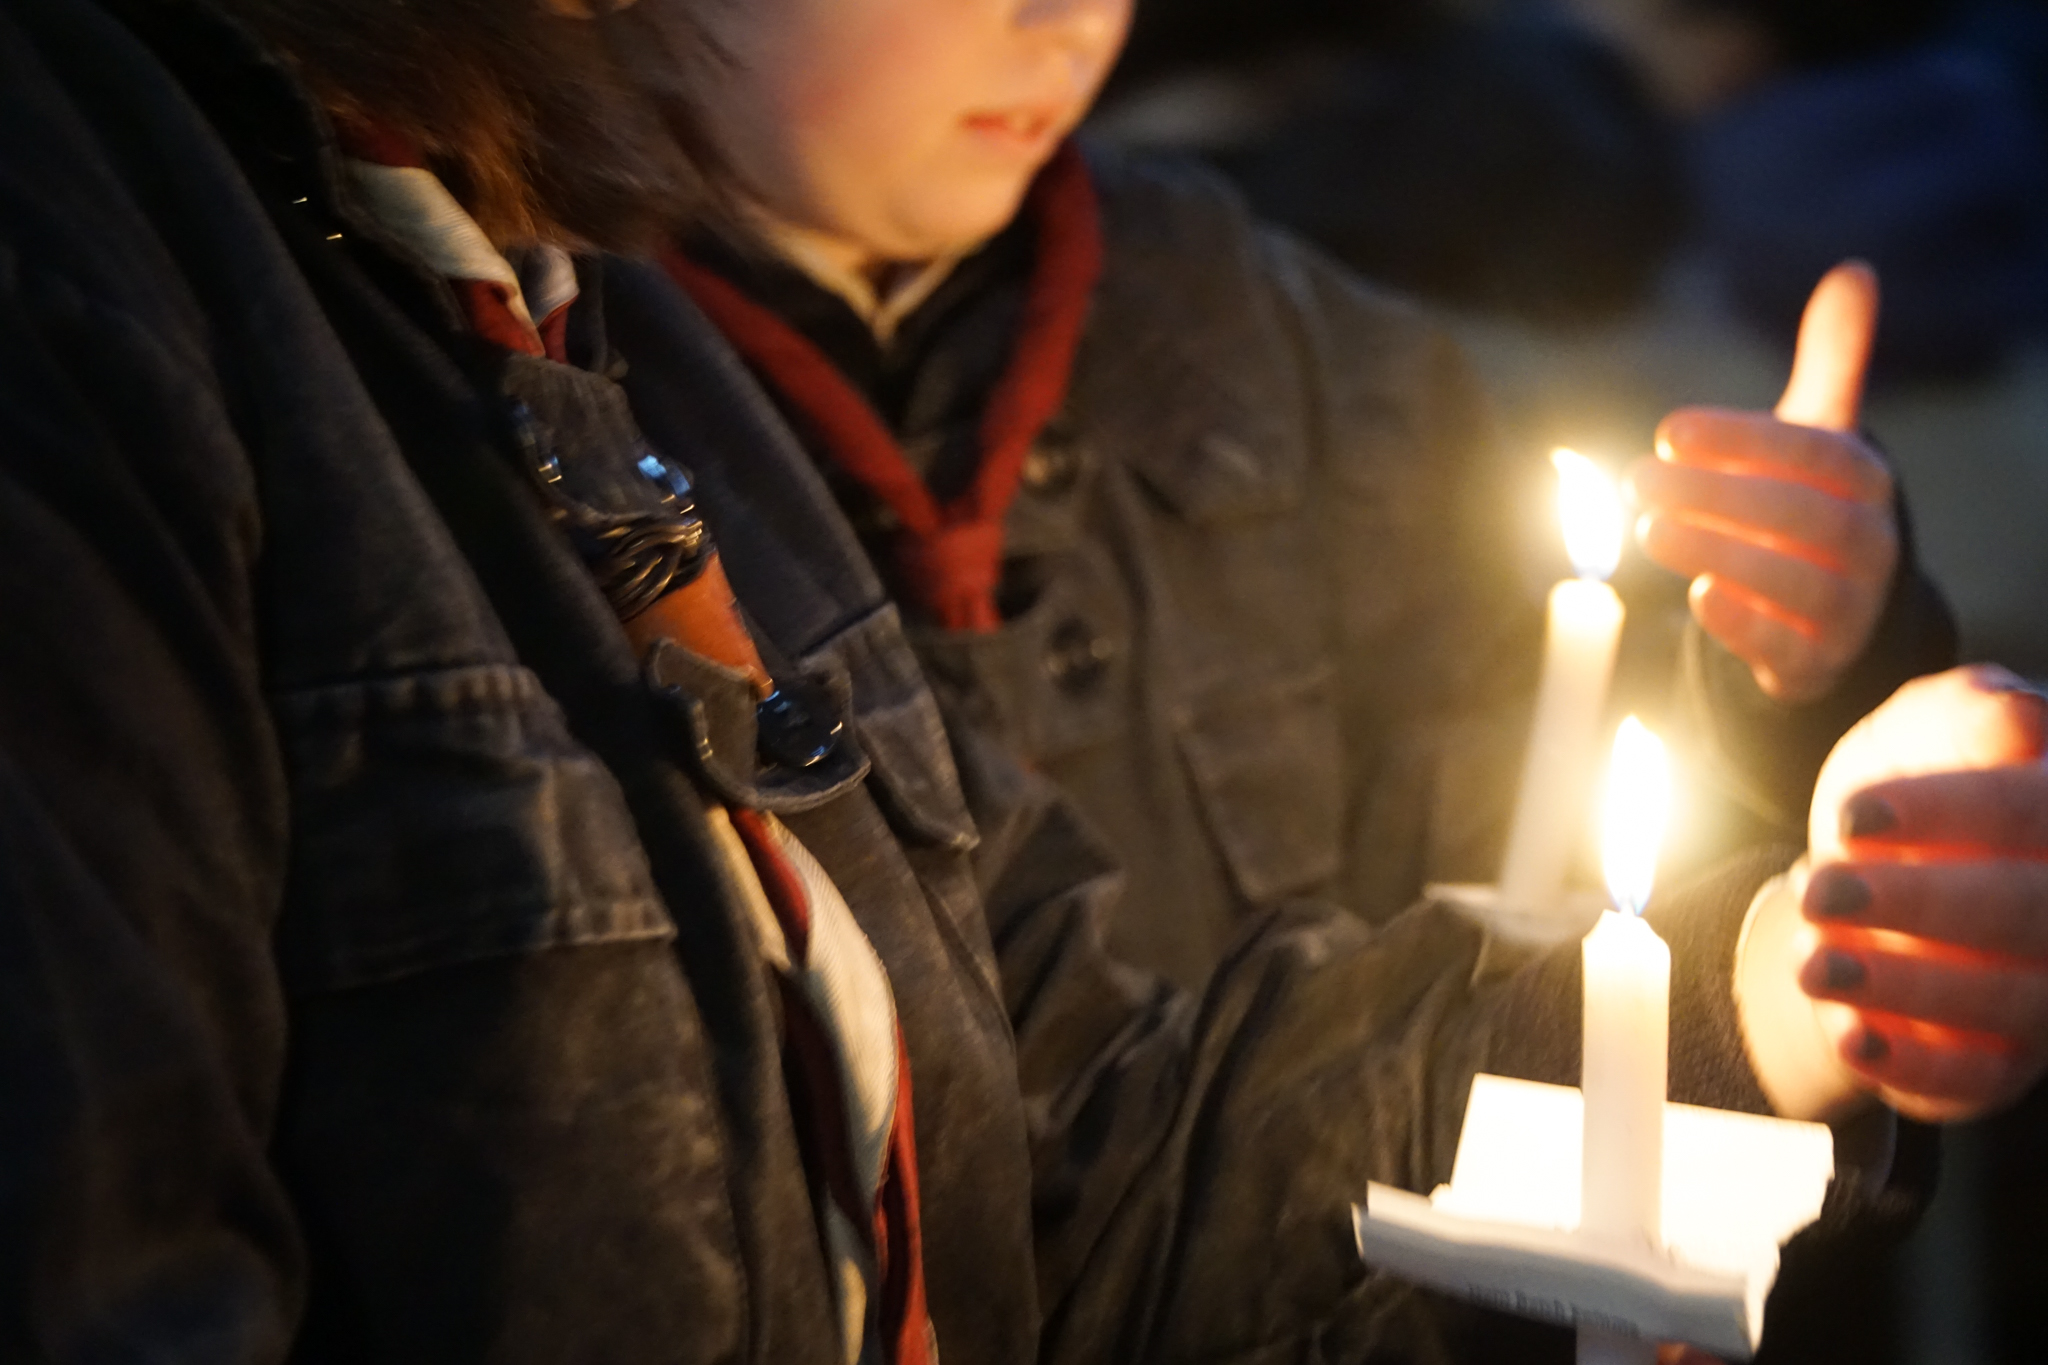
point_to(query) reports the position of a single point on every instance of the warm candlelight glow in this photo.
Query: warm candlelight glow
(1585, 618)
(1638, 807)
(1594, 522)
(1625, 1063)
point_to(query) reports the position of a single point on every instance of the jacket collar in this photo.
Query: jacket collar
(271, 124)
(768, 505)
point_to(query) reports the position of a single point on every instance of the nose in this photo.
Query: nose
(1091, 24)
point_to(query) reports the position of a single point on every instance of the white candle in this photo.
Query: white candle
(1628, 994)
(1625, 1076)
(1578, 662)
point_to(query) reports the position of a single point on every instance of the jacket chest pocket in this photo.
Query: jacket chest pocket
(447, 816)
(1266, 761)
(1054, 680)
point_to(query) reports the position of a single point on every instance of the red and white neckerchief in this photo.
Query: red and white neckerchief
(949, 559)
(391, 179)
(844, 1062)
(850, 1080)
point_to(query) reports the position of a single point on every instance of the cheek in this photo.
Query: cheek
(866, 100)
(883, 159)
(875, 78)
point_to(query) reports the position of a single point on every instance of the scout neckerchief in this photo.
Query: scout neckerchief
(948, 558)
(844, 1060)
(407, 200)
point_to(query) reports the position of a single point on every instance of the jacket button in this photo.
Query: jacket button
(1051, 468)
(1076, 658)
(795, 731)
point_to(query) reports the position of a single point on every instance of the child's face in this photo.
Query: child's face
(904, 129)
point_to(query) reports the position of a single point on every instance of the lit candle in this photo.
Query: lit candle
(1627, 1026)
(1578, 661)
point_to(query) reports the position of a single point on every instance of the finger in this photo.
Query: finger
(1760, 444)
(1932, 1074)
(1779, 651)
(1971, 719)
(1972, 814)
(1835, 340)
(1791, 518)
(1997, 907)
(1998, 998)
(1802, 593)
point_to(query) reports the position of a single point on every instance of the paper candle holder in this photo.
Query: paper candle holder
(1504, 1232)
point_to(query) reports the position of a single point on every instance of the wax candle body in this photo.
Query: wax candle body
(1625, 1079)
(1564, 743)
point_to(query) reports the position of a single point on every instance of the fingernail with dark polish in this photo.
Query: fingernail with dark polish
(1840, 895)
(1841, 972)
(1867, 817)
(1873, 1047)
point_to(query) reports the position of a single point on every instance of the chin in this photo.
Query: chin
(964, 218)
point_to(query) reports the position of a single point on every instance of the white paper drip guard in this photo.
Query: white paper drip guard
(1504, 1232)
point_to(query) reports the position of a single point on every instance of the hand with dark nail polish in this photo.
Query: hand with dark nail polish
(1929, 894)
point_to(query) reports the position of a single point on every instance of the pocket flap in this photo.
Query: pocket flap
(446, 816)
(897, 721)
(1267, 760)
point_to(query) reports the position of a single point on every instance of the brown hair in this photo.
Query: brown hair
(546, 127)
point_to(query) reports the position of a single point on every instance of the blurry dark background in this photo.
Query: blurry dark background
(1622, 205)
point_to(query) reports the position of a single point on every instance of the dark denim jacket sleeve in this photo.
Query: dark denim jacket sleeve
(141, 810)
(1195, 1155)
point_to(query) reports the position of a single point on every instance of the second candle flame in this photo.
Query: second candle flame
(1638, 806)
(1594, 521)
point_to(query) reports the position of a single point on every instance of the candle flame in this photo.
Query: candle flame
(1590, 507)
(1637, 809)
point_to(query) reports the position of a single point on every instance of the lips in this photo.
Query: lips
(1024, 130)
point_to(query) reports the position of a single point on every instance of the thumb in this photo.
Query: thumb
(1835, 338)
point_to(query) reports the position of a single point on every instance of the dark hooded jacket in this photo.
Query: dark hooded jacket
(372, 988)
